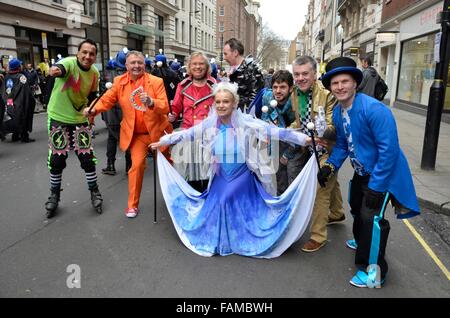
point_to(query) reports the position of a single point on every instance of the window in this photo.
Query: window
(183, 30)
(339, 33)
(91, 9)
(195, 37)
(57, 1)
(159, 40)
(221, 26)
(22, 34)
(183, 4)
(176, 29)
(135, 42)
(222, 11)
(134, 13)
(417, 70)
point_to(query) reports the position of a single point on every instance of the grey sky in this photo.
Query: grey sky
(284, 17)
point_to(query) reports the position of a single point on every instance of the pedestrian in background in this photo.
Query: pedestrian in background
(268, 78)
(370, 77)
(20, 103)
(170, 78)
(113, 117)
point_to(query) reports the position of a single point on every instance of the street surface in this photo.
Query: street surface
(120, 257)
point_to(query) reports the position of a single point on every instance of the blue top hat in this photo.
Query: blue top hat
(341, 65)
(111, 64)
(121, 58)
(148, 61)
(14, 64)
(161, 58)
(175, 65)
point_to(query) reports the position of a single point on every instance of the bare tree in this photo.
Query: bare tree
(270, 47)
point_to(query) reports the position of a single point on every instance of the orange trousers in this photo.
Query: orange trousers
(139, 151)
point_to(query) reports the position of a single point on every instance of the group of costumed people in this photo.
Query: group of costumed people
(217, 173)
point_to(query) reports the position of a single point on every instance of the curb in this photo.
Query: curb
(438, 208)
(437, 217)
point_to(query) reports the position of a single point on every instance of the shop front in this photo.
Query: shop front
(418, 59)
(34, 46)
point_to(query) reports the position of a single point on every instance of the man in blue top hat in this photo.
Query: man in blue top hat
(367, 134)
(113, 117)
(20, 103)
(148, 64)
(170, 78)
(176, 67)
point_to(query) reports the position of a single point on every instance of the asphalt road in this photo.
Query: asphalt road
(120, 257)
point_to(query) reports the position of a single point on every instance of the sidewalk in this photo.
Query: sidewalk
(432, 187)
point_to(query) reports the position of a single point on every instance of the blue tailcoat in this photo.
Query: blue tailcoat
(375, 138)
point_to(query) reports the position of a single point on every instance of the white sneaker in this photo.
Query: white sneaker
(131, 213)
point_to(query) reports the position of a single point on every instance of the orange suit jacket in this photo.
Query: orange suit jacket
(155, 117)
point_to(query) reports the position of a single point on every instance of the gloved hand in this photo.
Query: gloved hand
(324, 174)
(374, 199)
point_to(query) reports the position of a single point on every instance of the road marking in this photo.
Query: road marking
(428, 249)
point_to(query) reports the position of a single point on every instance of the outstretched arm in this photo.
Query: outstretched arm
(180, 136)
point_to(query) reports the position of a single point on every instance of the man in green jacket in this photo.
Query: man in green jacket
(308, 97)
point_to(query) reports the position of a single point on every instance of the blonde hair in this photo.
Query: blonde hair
(205, 59)
(229, 87)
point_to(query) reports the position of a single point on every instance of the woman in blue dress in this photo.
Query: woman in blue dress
(237, 214)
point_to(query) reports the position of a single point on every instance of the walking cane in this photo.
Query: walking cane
(311, 127)
(108, 85)
(154, 186)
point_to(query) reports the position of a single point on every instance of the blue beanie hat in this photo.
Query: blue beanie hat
(14, 64)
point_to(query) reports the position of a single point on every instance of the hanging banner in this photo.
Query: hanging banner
(44, 40)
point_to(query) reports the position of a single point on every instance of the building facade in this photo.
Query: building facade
(59, 28)
(33, 30)
(407, 52)
(177, 27)
(237, 19)
(400, 36)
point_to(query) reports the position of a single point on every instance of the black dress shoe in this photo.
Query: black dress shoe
(15, 138)
(110, 170)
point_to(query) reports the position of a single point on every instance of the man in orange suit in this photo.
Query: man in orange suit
(144, 104)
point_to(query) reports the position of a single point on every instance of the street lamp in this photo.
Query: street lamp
(190, 31)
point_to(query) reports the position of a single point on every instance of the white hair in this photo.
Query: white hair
(232, 88)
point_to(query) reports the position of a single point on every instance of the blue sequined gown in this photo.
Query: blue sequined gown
(236, 215)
